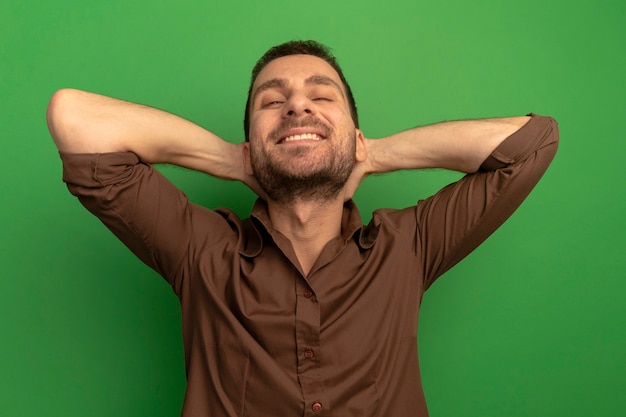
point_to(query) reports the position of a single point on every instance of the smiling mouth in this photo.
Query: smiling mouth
(309, 129)
(304, 136)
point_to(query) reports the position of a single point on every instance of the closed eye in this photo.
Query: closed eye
(322, 93)
(271, 103)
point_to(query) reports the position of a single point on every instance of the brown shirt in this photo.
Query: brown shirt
(261, 339)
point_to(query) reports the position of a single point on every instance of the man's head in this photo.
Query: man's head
(302, 136)
(309, 47)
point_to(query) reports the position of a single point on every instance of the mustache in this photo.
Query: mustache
(308, 121)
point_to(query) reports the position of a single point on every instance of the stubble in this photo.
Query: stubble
(319, 181)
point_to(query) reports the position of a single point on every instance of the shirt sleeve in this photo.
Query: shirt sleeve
(152, 217)
(457, 219)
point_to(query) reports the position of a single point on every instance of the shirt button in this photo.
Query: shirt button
(308, 353)
(316, 407)
(308, 293)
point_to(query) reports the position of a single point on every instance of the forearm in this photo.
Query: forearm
(458, 145)
(82, 122)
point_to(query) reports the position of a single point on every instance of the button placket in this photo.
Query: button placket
(307, 331)
(310, 377)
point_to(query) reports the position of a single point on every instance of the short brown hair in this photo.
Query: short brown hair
(309, 47)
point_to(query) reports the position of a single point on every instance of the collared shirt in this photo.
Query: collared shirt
(263, 339)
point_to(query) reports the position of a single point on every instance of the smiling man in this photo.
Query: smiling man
(300, 309)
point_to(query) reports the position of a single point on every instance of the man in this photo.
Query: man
(299, 310)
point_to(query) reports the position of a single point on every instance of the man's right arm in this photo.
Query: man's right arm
(107, 146)
(83, 122)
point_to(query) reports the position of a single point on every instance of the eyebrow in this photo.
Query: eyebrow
(322, 80)
(312, 80)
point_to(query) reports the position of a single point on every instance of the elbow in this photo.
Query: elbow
(59, 114)
(56, 115)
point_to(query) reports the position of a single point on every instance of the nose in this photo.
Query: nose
(298, 105)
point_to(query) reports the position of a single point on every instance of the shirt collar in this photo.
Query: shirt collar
(259, 224)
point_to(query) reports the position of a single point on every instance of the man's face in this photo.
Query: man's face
(302, 136)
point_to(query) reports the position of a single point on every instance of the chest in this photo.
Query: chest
(354, 299)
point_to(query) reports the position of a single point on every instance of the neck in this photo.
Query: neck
(309, 225)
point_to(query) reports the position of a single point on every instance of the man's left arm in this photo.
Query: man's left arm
(504, 159)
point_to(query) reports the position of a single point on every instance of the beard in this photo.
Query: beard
(317, 177)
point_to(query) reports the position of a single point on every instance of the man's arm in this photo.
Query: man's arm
(459, 145)
(504, 159)
(83, 122)
(107, 145)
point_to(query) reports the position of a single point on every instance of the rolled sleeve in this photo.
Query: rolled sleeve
(538, 133)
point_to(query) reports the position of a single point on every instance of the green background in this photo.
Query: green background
(531, 324)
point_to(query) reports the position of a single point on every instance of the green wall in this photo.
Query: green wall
(531, 324)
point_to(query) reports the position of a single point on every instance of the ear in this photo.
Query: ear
(247, 164)
(361, 147)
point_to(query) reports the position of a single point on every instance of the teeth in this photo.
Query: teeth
(305, 136)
